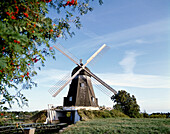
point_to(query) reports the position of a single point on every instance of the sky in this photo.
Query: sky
(138, 58)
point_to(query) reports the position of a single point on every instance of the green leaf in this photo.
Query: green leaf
(3, 62)
(16, 28)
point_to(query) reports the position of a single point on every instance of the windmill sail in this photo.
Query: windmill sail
(61, 88)
(102, 82)
(103, 89)
(59, 84)
(81, 91)
(72, 58)
(66, 53)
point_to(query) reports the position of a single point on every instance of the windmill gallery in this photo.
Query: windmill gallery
(81, 94)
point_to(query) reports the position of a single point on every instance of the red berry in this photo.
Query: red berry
(47, 1)
(8, 13)
(68, 2)
(51, 48)
(3, 48)
(13, 17)
(27, 73)
(16, 6)
(72, 2)
(35, 60)
(26, 15)
(17, 10)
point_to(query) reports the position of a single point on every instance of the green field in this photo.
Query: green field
(121, 125)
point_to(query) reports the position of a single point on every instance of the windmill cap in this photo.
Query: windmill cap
(83, 72)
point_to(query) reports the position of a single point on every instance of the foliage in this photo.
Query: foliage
(8, 117)
(145, 115)
(120, 125)
(126, 104)
(39, 117)
(92, 114)
(157, 116)
(24, 37)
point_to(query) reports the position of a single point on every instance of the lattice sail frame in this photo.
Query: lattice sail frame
(55, 91)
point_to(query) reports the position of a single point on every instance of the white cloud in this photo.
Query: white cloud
(47, 78)
(136, 80)
(129, 61)
(126, 36)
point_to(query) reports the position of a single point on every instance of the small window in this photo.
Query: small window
(70, 98)
(92, 98)
(81, 84)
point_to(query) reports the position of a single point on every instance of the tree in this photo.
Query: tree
(126, 104)
(145, 114)
(25, 32)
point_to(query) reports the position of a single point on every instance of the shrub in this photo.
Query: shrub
(91, 114)
(39, 117)
(117, 113)
(157, 116)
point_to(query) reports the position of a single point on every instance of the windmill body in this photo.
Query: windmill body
(81, 93)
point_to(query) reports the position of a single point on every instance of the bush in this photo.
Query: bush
(39, 117)
(145, 115)
(106, 114)
(117, 113)
(91, 114)
(157, 116)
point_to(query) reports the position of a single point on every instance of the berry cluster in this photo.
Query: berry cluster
(27, 74)
(25, 14)
(13, 14)
(70, 3)
(47, 1)
(2, 70)
(35, 60)
(3, 48)
(17, 41)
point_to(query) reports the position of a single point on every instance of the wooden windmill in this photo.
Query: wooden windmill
(81, 93)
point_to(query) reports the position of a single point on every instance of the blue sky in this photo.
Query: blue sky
(138, 60)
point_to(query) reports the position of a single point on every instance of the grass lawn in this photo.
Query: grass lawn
(121, 125)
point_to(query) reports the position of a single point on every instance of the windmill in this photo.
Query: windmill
(81, 93)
